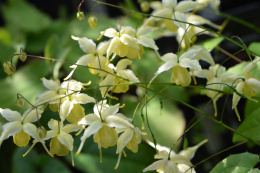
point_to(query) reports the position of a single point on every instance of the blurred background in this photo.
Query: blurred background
(44, 28)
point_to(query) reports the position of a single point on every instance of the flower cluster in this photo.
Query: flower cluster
(112, 61)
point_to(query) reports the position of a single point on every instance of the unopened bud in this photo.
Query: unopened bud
(92, 21)
(23, 57)
(9, 68)
(145, 7)
(19, 102)
(42, 132)
(80, 15)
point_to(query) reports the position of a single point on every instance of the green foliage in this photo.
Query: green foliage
(35, 162)
(236, 163)
(249, 127)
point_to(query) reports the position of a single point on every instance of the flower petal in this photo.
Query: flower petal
(147, 42)
(10, 129)
(87, 45)
(82, 98)
(66, 139)
(50, 84)
(192, 64)
(128, 74)
(31, 129)
(156, 165)
(10, 115)
(31, 115)
(124, 139)
(115, 121)
(185, 6)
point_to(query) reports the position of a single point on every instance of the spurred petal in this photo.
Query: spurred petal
(87, 45)
(10, 115)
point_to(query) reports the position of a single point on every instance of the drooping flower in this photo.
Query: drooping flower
(123, 76)
(180, 65)
(61, 141)
(94, 58)
(101, 123)
(130, 138)
(247, 87)
(19, 126)
(170, 162)
(214, 76)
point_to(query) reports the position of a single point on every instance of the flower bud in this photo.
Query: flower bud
(19, 102)
(23, 57)
(92, 21)
(9, 68)
(80, 15)
(145, 7)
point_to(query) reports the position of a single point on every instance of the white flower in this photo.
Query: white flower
(94, 57)
(171, 162)
(121, 72)
(19, 126)
(179, 65)
(247, 86)
(102, 124)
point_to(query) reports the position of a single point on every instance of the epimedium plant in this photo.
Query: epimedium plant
(103, 106)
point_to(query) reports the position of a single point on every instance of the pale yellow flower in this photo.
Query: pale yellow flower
(102, 124)
(21, 127)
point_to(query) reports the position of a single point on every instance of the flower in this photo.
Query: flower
(247, 87)
(214, 76)
(171, 162)
(179, 65)
(61, 141)
(94, 57)
(101, 123)
(19, 126)
(130, 138)
(121, 77)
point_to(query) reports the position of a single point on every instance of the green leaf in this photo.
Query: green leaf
(23, 16)
(34, 162)
(251, 106)
(211, 43)
(237, 163)
(250, 127)
(57, 50)
(255, 47)
(238, 69)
